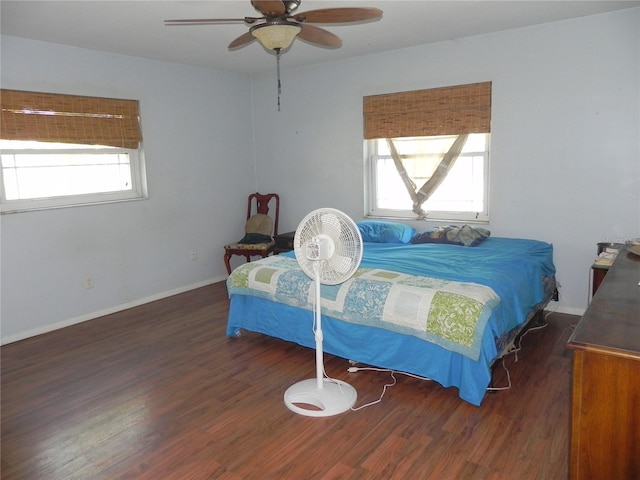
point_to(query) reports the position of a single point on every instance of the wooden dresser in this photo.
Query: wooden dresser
(605, 409)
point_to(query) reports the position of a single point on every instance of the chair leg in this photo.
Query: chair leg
(227, 257)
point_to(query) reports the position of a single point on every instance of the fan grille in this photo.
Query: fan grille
(333, 226)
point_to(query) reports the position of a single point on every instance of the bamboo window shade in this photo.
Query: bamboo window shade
(451, 110)
(52, 117)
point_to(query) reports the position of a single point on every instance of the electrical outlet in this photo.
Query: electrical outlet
(88, 282)
(194, 255)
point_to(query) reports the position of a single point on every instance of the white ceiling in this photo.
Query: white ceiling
(136, 27)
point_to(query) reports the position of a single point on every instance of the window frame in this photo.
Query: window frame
(373, 211)
(138, 189)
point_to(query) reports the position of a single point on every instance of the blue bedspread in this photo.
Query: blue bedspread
(513, 268)
(450, 313)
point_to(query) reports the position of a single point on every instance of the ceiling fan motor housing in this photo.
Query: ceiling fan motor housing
(291, 5)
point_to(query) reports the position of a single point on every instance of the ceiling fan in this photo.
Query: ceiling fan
(279, 25)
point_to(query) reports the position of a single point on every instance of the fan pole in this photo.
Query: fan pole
(318, 332)
(319, 397)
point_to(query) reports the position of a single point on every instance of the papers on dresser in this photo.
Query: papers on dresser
(606, 257)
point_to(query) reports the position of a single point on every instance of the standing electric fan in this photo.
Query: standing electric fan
(328, 248)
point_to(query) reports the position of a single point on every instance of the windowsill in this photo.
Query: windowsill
(9, 210)
(475, 221)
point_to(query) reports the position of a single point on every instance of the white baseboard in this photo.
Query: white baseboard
(153, 298)
(107, 311)
(568, 310)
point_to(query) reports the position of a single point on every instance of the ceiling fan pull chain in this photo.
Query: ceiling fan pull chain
(278, 69)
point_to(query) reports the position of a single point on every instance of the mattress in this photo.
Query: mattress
(518, 271)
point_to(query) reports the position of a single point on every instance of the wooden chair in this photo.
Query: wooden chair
(260, 228)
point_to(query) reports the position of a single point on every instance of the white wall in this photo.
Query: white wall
(200, 165)
(565, 159)
(565, 147)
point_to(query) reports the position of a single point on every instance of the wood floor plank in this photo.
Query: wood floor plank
(160, 392)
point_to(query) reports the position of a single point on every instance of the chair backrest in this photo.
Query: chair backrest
(261, 204)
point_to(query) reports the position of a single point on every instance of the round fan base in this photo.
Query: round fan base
(305, 398)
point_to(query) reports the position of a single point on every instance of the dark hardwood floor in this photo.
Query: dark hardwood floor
(159, 392)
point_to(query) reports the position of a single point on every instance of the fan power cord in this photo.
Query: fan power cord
(514, 350)
(354, 369)
(499, 389)
(384, 390)
(393, 373)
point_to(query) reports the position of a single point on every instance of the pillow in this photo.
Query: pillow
(385, 232)
(456, 235)
(259, 223)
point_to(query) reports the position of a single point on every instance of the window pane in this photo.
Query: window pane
(391, 192)
(463, 191)
(476, 143)
(11, 189)
(42, 182)
(68, 159)
(74, 174)
(421, 168)
(42, 176)
(8, 160)
(417, 145)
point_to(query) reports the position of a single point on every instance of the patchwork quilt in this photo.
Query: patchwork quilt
(451, 314)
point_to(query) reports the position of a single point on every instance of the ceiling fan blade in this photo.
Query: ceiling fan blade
(339, 15)
(269, 7)
(319, 36)
(211, 21)
(242, 40)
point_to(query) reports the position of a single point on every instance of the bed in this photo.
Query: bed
(438, 310)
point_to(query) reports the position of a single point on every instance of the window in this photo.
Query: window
(428, 153)
(38, 175)
(63, 150)
(462, 195)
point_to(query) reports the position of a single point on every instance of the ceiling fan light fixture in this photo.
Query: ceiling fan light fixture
(276, 36)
